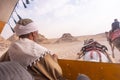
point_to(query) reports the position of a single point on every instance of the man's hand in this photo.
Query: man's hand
(55, 57)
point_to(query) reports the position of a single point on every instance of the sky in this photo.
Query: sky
(78, 17)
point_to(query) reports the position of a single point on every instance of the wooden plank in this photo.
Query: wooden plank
(6, 8)
(95, 70)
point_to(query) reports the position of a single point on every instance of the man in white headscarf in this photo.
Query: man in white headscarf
(38, 60)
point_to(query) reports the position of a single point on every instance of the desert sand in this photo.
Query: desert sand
(66, 49)
(69, 50)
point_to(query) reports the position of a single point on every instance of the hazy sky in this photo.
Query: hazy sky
(78, 17)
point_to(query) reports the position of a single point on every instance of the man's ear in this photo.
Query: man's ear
(31, 36)
(33, 33)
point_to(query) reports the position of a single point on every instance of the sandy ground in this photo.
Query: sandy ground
(69, 50)
(4, 45)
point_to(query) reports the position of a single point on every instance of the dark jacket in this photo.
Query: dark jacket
(115, 25)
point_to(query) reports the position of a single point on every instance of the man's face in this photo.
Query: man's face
(35, 35)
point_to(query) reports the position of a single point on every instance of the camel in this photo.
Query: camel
(113, 39)
(94, 51)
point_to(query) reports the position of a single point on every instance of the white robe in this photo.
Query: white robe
(25, 52)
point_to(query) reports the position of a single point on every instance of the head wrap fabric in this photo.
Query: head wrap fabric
(21, 30)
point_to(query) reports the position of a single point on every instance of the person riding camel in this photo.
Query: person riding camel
(115, 25)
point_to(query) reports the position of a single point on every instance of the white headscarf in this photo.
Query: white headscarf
(21, 30)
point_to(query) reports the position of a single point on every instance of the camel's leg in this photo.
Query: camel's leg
(111, 59)
(110, 42)
(113, 55)
(112, 48)
(80, 55)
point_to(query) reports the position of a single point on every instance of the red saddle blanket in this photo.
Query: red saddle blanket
(93, 46)
(115, 34)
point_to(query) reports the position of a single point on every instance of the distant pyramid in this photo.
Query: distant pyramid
(66, 37)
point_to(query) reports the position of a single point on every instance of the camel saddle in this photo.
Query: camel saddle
(93, 46)
(114, 35)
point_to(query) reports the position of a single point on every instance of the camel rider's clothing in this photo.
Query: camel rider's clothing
(36, 59)
(115, 25)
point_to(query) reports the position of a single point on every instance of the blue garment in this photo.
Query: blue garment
(83, 77)
(115, 25)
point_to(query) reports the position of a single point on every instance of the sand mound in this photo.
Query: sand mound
(42, 39)
(101, 36)
(4, 45)
(13, 38)
(66, 37)
(1, 38)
